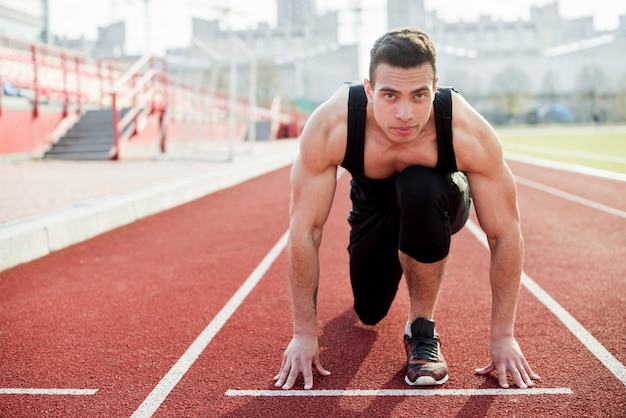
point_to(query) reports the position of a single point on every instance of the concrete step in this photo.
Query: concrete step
(94, 155)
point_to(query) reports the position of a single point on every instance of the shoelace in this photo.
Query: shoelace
(423, 348)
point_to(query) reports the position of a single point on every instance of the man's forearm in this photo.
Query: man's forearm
(506, 269)
(303, 268)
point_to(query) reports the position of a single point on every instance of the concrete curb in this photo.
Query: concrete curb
(34, 237)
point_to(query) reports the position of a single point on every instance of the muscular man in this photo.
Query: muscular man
(414, 152)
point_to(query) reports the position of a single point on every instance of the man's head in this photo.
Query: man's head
(404, 48)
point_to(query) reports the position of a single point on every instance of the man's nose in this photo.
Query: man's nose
(404, 112)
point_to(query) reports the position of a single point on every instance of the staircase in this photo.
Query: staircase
(91, 138)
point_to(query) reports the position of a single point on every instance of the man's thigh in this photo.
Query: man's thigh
(375, 269)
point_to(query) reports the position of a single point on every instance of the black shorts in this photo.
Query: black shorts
(425, 209)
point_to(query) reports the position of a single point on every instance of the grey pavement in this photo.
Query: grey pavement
(47, 205)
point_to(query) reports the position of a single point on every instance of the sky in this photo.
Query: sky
(169, 20)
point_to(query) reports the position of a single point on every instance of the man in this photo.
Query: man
(410, 194)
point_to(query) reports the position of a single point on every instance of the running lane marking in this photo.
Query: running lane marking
(171, 379)
(588, 340)
(62, 392)
(569, 196)
(571, 153)
(400, 392)
(575, 168)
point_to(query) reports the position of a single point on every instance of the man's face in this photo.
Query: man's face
(402, 99)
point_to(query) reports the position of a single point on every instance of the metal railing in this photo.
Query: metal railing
(142, 90)
(45, 72)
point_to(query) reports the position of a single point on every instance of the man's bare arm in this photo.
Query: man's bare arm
(314, 179)
(499, 219)
(312, 196)
(495, 198)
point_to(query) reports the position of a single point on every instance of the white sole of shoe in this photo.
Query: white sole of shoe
(426, 381)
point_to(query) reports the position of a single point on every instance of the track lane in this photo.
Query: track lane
(576, 253)
(115, 312)
(608, 192)
(369, 358)
(129, 332)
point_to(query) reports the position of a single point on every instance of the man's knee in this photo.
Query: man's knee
(421, 188)
(370, 316)
(372, 303)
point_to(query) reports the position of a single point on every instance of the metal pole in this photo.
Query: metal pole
(66, 93)
(116, 131)
(47, 38)
(232, 104)
(252, 99)
(147, 27)
(252, 89)
(33, 50)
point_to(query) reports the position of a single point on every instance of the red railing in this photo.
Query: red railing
(46, 72)
(142, 90)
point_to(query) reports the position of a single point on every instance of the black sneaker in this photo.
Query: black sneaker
(424, 362)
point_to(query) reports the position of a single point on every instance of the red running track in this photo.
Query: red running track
(148, 319)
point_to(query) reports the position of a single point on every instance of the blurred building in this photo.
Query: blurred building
(403, 13)
(539, 62)
(25, 19)
(295, 13)
(303, 48)
(545, 29)
(110, 43)
(548, 58)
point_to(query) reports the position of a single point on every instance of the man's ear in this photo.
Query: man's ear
(435, 85)
(369, 89)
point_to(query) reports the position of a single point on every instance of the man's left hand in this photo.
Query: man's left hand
(506, 356)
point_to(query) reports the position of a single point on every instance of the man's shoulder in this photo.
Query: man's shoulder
(339, 99)
(325, 133)
(333, 112)
(465, 117)
(476, 143)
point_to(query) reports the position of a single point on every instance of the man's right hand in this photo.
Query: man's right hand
(301, 355)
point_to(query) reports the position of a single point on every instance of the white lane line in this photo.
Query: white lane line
(575, 168)
(33, 391)
(588, 340)
(400, 392)
(171, 379)
(569, 196)
(571, 153)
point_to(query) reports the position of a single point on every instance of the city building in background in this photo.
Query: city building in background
(512, 71)
(402, 13)
(520, 71)
(110, 43)
(25, 19)
(300, 58)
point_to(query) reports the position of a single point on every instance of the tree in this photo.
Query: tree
(550, 86)
(621, 99)
(592, 82)
(511, 89)
(270, 81)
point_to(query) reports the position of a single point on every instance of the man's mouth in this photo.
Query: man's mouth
(404, 130)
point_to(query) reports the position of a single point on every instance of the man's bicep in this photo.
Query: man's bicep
(314, 173)
(312, 193)
(495, 200)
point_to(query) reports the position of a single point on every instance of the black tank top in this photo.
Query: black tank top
(374, 192)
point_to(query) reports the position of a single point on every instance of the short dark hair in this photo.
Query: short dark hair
(404, 48)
